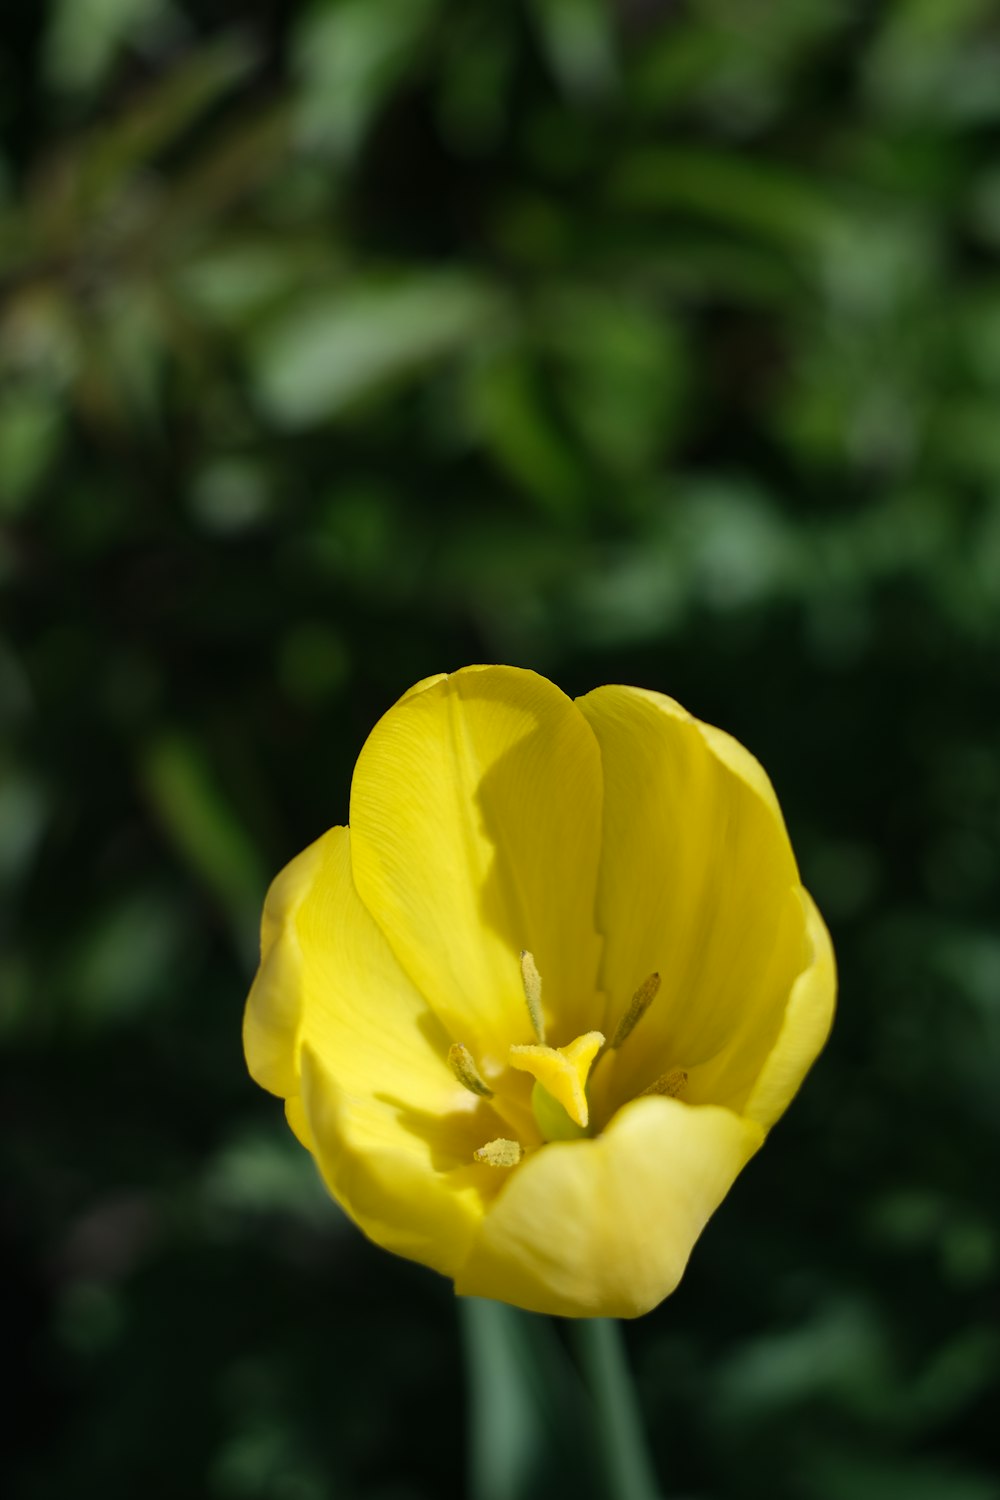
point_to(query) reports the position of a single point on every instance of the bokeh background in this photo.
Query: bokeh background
(350, 341)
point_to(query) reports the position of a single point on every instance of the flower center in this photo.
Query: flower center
(559, 1099)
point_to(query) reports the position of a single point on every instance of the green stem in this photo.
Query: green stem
(526, 1406)
(621, 1439)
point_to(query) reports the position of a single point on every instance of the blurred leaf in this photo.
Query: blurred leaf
(173, 103)
(330, 351)
(842, 1351)
(24, 812)
(120, 966)
(30, 434)
(197, 816)
(348, 55)
(742, 193)
(257, 1172)
(936, 60)
(84, 37)
(230, 495)
(232, 281)
(621, 378)
(579, 40)
(510, 415)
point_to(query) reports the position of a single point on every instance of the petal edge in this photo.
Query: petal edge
(604, 1227)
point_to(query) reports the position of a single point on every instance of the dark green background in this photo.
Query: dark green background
(348, 342)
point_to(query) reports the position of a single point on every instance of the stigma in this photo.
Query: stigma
(560, 1075)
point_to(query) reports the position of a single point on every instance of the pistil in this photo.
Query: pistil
(560, 1075)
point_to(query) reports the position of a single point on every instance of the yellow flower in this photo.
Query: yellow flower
(541, 1002)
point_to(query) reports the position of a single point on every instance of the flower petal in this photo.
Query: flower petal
(695, 883)
(805, 1028)
(335, 1025)
(412, 1191)
(329, 979)
(274, 1006)
(604, 1227)
(475, 822)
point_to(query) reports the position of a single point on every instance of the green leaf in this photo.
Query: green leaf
(348, 57)
(739, 192)
(331, 350)
(196, 814)
(579, 40)
(84, 37)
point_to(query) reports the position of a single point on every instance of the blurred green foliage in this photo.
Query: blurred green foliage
(344, 342)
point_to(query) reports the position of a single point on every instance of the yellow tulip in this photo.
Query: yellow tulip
(535, 1009)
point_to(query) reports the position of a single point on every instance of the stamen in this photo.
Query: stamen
(499, 1153)
(532, 982)
(671, 1084)
(462, 1064)
(638, 1006)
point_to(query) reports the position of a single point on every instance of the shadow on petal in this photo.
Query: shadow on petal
(452, 1138)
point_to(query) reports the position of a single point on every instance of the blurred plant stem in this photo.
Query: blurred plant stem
(621, 1438)
(526, 1406)
(532, 1429)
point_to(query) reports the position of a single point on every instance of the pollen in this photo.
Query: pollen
(499, 1153)
(561, 1073)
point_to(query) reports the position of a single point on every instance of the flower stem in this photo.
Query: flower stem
(526, 1406)
(620, 1435)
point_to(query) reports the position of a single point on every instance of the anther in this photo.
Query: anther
(461, 1063)
(532, 982)
(671, 1084)
(638, 1006)
(499, 1153)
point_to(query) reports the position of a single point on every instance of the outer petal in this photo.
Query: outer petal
(327, 977)
(805, 1028)
(273, 1014)
(335, 1025)
(697, 881)
(604, 1227)
(412, 1190)
(475, 820)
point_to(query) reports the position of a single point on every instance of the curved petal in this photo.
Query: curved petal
(335, 1025)
(475, 823)
(604, 1227)
(274, 1006)
(695, 884)
(328, 979)
(805, 1028)
(412, 1191)
(421, 686)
